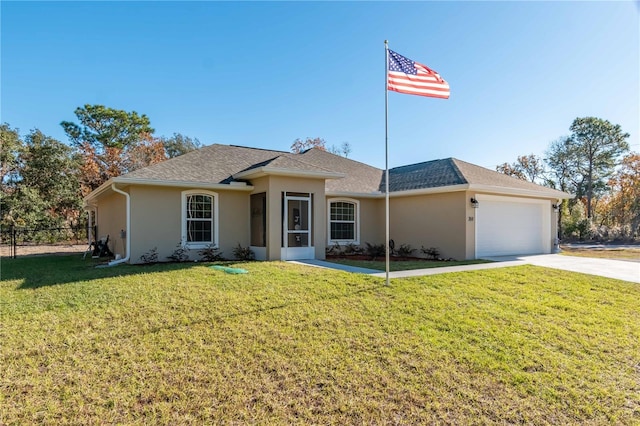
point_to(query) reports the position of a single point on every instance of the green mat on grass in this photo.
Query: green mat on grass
(229, 270)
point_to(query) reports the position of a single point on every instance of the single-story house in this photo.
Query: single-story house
(293, 206)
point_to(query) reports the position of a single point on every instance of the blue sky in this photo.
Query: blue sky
(263, 74)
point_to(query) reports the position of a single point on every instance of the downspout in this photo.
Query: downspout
(90, 228)
(556, 240)
(128, 249)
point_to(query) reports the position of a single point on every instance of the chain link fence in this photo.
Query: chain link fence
(17, 241)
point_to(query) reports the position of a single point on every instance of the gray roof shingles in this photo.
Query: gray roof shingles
(210, 164)
(218, 163)
(359, 177)
(430, 174)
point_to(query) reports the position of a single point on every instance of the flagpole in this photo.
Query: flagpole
(386, 158)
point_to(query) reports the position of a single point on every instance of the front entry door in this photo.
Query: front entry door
(297, 238)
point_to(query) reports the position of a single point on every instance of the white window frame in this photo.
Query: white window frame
(199, 245)
(356, 203)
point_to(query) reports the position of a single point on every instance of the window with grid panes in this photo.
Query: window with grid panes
(342, 221)
(199, 218)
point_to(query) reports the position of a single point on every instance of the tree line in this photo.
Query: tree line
(593, 162)
(44, 180)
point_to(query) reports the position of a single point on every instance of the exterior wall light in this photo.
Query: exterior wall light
(556, 207)
(474, 203)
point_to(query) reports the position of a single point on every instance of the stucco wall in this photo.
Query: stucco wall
(437, 220)
(234, 221)
(156, 221)
(470, 249)
(111, 219)
(156, 217)
(445, 221)
(279, 184)
(373, 221)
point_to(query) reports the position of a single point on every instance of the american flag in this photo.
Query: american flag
(407, 76)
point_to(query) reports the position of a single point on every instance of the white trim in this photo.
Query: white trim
(263, 171)
(232, 186)
(374, 195)
(424, 191)
(260, 252)
(183, 219)
(492, 197)
(457, 188)
(356, 240)
(99, 190)
(551, 194)
(274, 171)
(297, 253)
(407, 193)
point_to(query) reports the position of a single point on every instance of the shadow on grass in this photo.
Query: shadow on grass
(42, 271)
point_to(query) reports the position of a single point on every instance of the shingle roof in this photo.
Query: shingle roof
(430, 174)
(360, 178)
(210, 164)
(451, 171)
(290, 162)
(217, 164)
(480, 176)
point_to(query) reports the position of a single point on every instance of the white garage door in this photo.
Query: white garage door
(509, 226)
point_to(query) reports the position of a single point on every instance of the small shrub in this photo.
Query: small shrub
(334, 249)
(353, 249)
(243, 253)
(180, 254)
(432, 252)
(405, 250)
(211, 254)
(151, 256)
(392, 247)
(375, 250)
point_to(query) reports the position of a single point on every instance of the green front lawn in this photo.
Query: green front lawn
(184, 344)
(404, 265)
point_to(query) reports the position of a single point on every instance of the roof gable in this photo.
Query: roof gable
(210, 164)
(480, 176)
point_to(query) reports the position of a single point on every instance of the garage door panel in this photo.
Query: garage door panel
(507, 227)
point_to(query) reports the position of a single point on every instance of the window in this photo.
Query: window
(258, 205)
(344, 221)
(199, 218)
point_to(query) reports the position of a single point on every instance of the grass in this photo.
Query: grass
(604, 252)
(404, 265)
(288, 344)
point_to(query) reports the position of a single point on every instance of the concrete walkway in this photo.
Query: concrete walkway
(618, 269)
(336, 266)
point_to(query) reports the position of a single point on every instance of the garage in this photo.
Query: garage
(512, 226)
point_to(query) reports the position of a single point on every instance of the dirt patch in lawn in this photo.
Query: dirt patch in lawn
(616, 252)
(43, 249)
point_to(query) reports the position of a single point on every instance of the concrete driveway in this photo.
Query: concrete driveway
(619, 269)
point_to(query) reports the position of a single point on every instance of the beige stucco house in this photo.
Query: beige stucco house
(293, 206)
